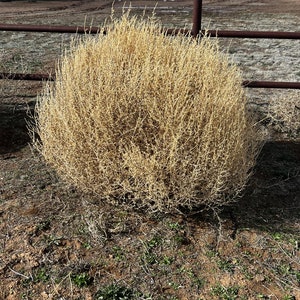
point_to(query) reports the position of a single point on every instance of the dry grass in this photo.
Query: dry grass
(285, 114)
(154, 121)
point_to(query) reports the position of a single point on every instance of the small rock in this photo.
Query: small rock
(259, 278)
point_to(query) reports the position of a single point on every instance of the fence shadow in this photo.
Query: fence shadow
(13, 127)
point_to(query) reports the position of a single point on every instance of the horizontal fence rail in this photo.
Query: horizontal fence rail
(253, 34)
(196, 31)
(49, 28)
(169, 31)
(246, 83)
(271, 84)
(30, 77)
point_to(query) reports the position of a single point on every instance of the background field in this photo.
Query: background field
(57, 243)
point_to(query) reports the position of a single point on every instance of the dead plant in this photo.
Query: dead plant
(149, 120)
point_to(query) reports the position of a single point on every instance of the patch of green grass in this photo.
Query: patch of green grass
(225, 293)
(178, 234)
(196, 280)
(247, 273)
(179, 239)
(118, 253)
(174, 226)
(277, 236)
(288, 297)
(167, 260)
(284, 269)
(154, 242)
(87, 245)
(41, 275)
(210, 253)
(116, 292)
(81, 279)
(149, 257)
(226, 265)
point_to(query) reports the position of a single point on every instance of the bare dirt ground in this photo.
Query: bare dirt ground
(13, 8)
(57, 243)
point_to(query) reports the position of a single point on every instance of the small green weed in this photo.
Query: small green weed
(87, 245)
(118, 253)
(174, 226)
(149, 258)
(211, 253)
(82, 279)
(43, 226)
(284, 269)
(167, 260)
(226, 265)
(277, 236)
(194, 278)
(247, 273)
(116, 292)
(225, 293)
(179, 239)
(154, 242)
(288, 297)
(41, 275)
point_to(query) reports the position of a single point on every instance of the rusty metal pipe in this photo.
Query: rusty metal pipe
(197, 17)
(170, 31)
(253, 34)
(73, 29)
(246, 83)
(31, 77)
(49, 28)
(271, 84)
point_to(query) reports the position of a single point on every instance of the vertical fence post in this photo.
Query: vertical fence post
(197, 17)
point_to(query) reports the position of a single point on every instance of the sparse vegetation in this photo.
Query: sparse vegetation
(284, 114)
(82, 279)
(59, 243)
(115, 292)
(225, 293)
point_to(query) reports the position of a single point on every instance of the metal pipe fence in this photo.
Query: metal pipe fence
(194, 32)
(246, 83)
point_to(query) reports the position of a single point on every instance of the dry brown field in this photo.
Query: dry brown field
(59, 243)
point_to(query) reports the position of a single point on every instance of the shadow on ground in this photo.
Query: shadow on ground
(13, 127)
(270, 202)
(272, 199)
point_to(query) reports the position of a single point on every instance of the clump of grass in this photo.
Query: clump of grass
(153, 121)
(284, 114)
